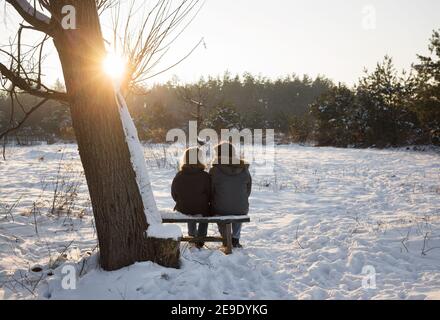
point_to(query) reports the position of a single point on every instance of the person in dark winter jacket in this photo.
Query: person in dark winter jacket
(191, 190)
(231, 186)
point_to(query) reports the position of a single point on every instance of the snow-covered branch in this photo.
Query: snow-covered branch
(31, 15)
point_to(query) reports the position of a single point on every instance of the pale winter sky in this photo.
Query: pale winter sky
(336, 38)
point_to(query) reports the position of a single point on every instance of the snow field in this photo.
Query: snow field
(317, 222)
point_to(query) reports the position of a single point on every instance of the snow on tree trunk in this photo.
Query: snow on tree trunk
(154, 219)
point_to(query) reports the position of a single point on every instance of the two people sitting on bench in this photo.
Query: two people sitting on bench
(224, 191)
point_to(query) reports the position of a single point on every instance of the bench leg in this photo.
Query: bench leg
(228, 238)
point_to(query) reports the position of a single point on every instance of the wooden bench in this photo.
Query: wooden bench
(224, 221)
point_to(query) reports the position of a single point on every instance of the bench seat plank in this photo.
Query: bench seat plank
(177, 217)
(202, 239)
(224, 221)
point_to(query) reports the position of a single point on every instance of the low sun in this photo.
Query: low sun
(114, 66)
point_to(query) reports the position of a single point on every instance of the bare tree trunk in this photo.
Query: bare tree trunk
(117, 203)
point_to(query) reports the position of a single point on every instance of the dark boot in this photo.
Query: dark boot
(236, 243)
(200, 245)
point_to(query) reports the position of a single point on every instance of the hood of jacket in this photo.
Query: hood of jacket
(192, 169)
(231, 169)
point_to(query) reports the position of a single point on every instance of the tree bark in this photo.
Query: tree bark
(116, 200)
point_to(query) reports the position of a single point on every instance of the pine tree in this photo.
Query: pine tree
(224, 117)
(333, 113)
(384, 100)
(427, 100)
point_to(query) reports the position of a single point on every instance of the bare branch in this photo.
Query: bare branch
(24, 85)
(103, 5)
(22, 121)
(173, 65)
(146, 43)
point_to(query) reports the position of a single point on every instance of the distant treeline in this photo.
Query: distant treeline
(223, 102)
(385, 108)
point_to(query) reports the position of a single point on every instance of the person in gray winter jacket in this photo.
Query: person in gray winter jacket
(231, 186)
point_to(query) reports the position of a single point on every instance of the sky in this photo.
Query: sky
(330, 37)
(335, 38)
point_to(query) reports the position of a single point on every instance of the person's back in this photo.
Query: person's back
(191, 191)
(230, 187)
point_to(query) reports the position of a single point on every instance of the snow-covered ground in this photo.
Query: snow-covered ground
(322, 219)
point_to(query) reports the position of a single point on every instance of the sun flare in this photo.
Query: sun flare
(114, 66)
